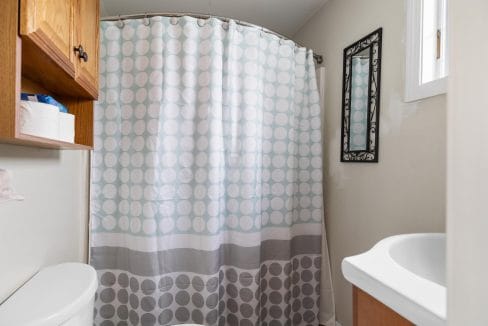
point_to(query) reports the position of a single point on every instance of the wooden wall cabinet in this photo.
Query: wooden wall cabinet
(86, 35)
(49, 25)
(41, 53)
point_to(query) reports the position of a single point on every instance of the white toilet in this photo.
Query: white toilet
(57, 295)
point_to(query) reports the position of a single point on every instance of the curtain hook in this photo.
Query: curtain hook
(120, 22)
(261, 33)
(174, 20)
(146, 22)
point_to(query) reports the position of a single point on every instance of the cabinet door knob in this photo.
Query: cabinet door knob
(81, 53)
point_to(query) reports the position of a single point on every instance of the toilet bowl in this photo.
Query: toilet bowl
(57, 295)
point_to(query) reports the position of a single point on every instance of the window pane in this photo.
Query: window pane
(433, 41)
(442, 69)
(429, 40)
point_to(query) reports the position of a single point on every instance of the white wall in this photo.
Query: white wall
(50, 225)
(467, 210)
(405, 191)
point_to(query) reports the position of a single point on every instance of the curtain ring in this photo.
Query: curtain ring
(282, 41)
(201, 22)
(120, 22)
(174, 21)
(261, 32)
(225, 26)
(146, 20)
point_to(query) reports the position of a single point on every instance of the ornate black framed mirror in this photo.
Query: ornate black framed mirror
(361, 99)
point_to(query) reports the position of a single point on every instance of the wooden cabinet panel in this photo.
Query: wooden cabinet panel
(9, 68)
(49, 25)
(370, 312)
(87, 29)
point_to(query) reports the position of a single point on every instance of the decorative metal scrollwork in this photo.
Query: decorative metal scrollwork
(371, 45)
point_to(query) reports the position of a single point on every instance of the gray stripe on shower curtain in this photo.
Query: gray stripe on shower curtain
(206, 179)
(200, 261)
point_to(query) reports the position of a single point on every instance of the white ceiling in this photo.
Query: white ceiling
(283, 16)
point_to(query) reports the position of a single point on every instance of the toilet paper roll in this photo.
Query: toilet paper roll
(6, 191)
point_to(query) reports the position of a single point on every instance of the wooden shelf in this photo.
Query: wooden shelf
(33, 141)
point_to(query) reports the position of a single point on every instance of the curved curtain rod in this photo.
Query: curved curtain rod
(317, 57)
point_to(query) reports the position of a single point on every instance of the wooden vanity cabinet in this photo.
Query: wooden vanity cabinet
(367, 311)
(49, 47)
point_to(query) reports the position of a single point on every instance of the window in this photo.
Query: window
(426, 67)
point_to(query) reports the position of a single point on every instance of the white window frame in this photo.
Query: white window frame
(414, 89)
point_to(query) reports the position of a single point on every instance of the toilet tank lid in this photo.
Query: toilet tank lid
(50, 297)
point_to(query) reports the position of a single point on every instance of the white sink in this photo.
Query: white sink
(407, 273)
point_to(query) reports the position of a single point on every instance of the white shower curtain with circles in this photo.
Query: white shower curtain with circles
(206, 183)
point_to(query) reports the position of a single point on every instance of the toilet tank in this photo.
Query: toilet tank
(57, 295)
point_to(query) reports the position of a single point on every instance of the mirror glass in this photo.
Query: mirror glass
(358, 135)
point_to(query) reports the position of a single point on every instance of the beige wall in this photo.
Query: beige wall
(467, 214)
(405, 191)
(50, 225)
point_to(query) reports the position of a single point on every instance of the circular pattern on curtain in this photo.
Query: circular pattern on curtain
(206, 183)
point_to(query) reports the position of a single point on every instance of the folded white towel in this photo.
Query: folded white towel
(45, 120)
(66, 130)
(39, 119)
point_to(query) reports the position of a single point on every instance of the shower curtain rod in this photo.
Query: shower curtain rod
(317, 57)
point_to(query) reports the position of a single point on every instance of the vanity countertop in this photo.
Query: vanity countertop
(407, 274)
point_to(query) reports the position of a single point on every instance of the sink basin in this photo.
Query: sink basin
(406, 273)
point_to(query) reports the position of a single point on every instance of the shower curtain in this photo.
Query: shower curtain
(206, 180)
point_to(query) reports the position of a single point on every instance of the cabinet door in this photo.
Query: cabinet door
(86, 37)
(367, 311)
(49, 25)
